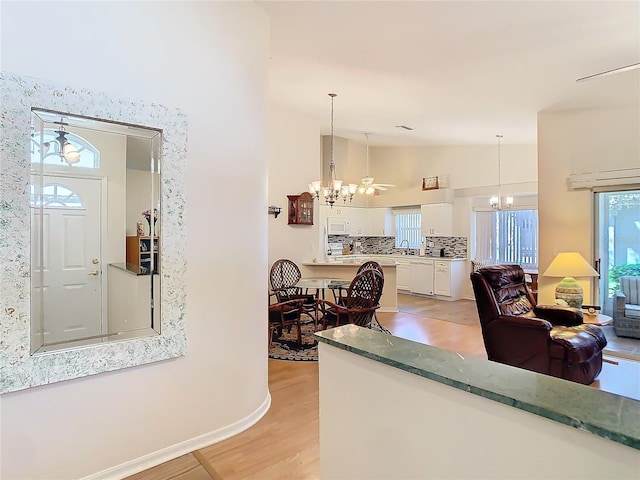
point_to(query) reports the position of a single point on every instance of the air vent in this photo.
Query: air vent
(404, 126)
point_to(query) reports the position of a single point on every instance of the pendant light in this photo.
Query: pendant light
(496, 201)
(334, 189)
(66, 151)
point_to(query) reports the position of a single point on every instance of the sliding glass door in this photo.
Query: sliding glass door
(617, 241)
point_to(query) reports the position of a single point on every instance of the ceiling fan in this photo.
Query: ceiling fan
(367, 187)
(610, 72)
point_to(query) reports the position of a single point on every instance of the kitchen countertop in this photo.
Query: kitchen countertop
(383, 257)
(349, 262)
(346, 270)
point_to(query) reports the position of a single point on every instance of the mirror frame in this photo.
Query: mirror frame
(19, 369)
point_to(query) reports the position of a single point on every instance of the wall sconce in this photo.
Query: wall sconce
(274, 210)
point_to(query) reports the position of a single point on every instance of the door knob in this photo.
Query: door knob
(95, 273)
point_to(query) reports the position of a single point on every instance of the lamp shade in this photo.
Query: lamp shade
(570, 264)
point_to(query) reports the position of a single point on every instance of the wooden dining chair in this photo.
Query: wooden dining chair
(359, 304)
(284, 315)
(373, 265)
(283, 277)
(340, 291)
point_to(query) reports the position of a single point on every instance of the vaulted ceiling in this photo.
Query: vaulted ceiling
(456, 72)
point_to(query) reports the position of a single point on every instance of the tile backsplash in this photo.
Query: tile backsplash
(454, 247)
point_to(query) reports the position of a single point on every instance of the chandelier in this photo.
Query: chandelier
(334, 190)
(496, 201)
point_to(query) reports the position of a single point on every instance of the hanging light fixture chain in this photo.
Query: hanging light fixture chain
(496, 201)
(332, 165)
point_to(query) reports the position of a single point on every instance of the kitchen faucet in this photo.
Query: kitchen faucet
(406, 250)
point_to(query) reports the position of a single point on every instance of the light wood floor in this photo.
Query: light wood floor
(284, 443)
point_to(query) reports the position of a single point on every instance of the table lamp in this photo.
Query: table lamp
(569, 265)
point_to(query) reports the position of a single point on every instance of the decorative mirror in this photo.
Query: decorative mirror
(97, 281)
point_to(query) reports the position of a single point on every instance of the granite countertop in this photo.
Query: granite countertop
(602, 413)
(348, 262)
(383, 259)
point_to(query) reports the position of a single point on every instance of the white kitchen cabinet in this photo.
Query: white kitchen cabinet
(449, 279)
(442, 278)
(421, 277)
(436, 219)
(358, 221)
(379, 222)
(402, 275)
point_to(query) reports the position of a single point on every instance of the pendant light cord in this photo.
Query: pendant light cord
(499, 191)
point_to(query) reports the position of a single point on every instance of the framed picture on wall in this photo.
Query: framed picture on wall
(429, 183)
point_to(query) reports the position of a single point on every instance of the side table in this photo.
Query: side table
(597, 319)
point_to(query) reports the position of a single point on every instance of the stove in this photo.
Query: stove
(334, 249)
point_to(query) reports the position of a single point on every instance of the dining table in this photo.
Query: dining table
(320, 285)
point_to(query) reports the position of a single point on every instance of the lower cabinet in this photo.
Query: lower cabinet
(443, 278)
(449, 279)
(402, 275)
(421, 277)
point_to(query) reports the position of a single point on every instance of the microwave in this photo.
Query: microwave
(337, 226)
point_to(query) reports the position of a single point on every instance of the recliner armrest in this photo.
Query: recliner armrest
(565, 316)
(524, 322)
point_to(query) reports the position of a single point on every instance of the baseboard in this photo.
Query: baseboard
(156, 458)
(626, 356)
(388, 310)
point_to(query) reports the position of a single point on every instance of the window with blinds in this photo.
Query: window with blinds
(507, 236)
(408, 228)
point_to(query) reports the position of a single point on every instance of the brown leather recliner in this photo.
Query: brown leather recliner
(542, 338)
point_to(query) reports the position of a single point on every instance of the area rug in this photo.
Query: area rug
(286, 346)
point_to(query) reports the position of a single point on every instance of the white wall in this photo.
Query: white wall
(578, 141)
(470, 170)
(138, 197)
(294, 161)
(210, 60)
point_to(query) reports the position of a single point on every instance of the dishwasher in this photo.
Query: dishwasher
(421, 277)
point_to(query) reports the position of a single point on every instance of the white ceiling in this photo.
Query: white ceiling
(457, 72)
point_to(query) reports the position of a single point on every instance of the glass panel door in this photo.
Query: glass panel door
(617, 241)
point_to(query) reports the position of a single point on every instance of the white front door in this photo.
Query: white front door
(67, 265)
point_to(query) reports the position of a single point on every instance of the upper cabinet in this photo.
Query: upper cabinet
(357, 221)
(300, 209)
(360, 221)
(379, 222)
(437, 219)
